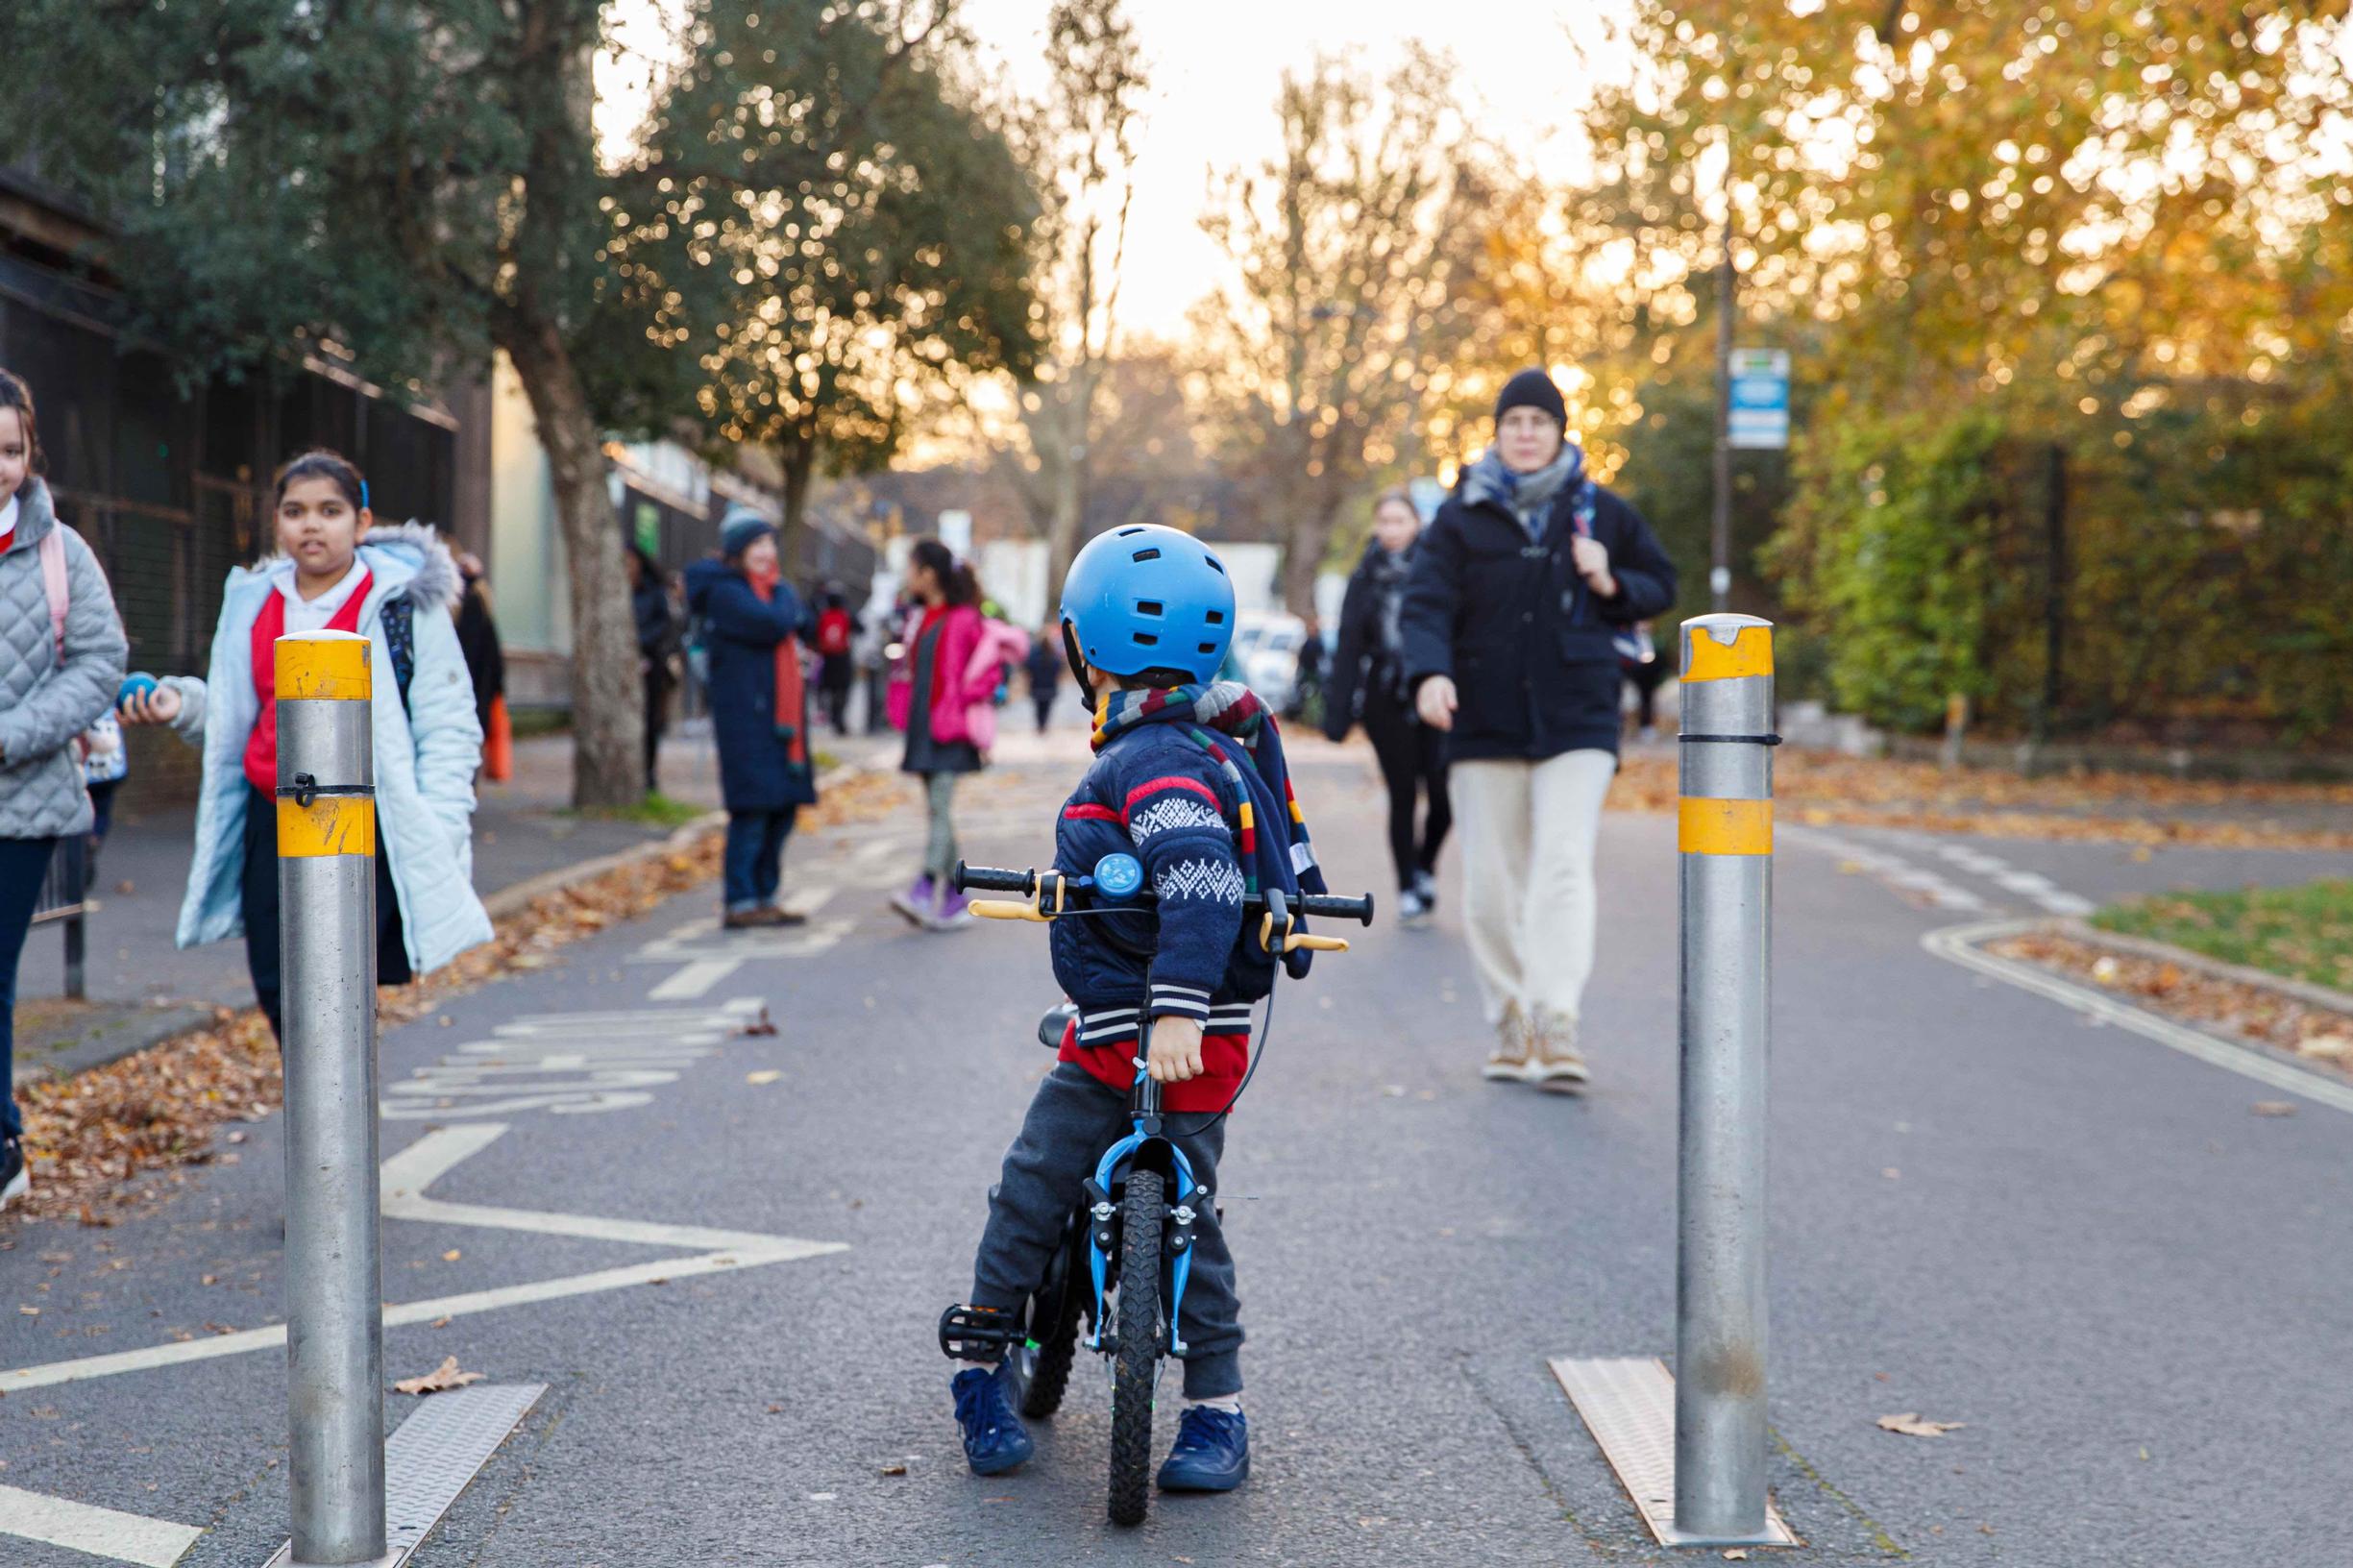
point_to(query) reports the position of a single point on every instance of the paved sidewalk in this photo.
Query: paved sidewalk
(142, 989)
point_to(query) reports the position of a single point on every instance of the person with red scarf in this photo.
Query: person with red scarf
(759, 710)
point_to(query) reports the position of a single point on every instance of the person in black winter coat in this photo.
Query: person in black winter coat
(1516, 593)
(478, 639)
(1367, 686)
(1044, 665)
(657, 636)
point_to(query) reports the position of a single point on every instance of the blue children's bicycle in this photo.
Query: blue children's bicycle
(1127, 1248)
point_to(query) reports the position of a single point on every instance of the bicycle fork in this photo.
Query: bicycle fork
(1103, 1214)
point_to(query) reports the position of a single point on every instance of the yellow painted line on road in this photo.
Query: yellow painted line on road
(1723, 828)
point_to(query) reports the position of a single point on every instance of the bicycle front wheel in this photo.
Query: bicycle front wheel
(1142, 1213)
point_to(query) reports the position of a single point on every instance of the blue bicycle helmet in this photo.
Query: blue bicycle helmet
(1147, 597)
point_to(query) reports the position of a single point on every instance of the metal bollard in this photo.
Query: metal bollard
(327, 955)
(1726, 838)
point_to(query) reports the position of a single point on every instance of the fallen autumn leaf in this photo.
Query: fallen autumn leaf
(446, 1375)
(1911, 1425)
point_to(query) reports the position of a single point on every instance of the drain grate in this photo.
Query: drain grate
(1629, 1404)
(436, 1452)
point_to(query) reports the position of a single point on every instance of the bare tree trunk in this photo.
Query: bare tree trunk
(608, 699)
(798, 458)
(1069, 512)
(1304, 544)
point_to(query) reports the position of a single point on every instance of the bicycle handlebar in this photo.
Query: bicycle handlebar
(1025, 883)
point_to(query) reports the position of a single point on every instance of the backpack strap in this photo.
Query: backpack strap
(399, 616)
(54, 584)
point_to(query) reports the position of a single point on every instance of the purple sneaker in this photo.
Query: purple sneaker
(953, 913)
(917, 902)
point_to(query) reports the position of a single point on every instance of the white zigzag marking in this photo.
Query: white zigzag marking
(1169, 815)
(1220, 882)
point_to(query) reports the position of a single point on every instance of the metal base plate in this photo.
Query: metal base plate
(430, 1460)
(1629, 1404)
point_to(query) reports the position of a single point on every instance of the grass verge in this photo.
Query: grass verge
(2304, 932)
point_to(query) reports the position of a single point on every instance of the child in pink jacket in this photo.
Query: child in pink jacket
(944, 697)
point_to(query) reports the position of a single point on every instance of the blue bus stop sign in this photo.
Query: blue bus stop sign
(1760, 398)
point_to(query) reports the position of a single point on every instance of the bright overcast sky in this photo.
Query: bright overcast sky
(1215, 67)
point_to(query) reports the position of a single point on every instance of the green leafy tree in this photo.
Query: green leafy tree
(414, 183)
(822, 226)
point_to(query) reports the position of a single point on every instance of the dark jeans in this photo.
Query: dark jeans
(260, 908)
(1412, 762)
(24, 866)
(1072, 1118)
(834, 679)
(657, 721)
(754, 857)
(1646, 682)
(1043, 702)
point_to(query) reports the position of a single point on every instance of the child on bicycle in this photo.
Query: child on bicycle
(1189, 778)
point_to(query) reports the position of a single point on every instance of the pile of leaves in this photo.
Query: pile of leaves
(88, 1136)
(1821, 788)
(2251, 1012)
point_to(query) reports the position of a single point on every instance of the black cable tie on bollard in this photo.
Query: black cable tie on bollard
(306, 789)
(1740, 740)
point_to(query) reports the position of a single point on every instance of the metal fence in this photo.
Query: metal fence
(65, 900)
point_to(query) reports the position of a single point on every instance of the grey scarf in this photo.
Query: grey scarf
(1528, 497)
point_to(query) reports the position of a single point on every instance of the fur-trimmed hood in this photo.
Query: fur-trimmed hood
(411, 558)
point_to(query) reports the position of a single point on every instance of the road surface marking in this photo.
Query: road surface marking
(1893, 870)
(563, 1064)
(406, 1177)
(2031, 885)
(1960, 945)
(102, 1533)
(693, 980)
(703, 939)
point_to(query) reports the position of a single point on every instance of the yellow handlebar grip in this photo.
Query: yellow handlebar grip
(1317, 944)
(1005, 909)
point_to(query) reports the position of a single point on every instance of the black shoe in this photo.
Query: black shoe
(15, 1179)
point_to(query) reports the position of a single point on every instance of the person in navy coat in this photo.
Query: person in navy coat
(752, 625)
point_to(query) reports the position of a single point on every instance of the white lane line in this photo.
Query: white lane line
(1960, 945)
(694, 980)
(1893, 872)
(406, 1177)
(102, 1533)
(2041, 889)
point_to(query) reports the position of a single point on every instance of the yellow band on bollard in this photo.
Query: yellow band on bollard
(332, 825)
(1723, 828)
(1751, 655)
(323, 668)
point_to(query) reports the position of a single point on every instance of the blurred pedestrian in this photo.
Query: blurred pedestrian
(1638, 661)
(1044, 664)
(1367, 686)
(478, 639)
(397, 586)
(943, 697)
(878, 655)
(1306, 702)
(657, 638)
(759, 710)
(61, 652)
(1508, 615)
(836, 673)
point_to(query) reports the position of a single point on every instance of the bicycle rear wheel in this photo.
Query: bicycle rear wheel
(1054, 1314)
(1142, 1213)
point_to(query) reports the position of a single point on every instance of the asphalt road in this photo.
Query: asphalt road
(2132, 1291)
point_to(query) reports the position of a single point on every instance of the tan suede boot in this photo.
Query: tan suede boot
(1554, 1064)
(1508, 1063)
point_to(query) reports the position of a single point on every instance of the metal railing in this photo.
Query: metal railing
(65, 900)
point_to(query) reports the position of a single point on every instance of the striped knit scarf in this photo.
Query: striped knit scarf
(1227, 721)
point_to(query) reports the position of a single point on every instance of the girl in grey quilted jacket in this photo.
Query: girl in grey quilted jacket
(55, 682)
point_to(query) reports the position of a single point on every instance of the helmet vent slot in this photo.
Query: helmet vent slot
(1149, 606)
(1147, 555)
(1208, 647)
(1147, 639)
(1216, 618)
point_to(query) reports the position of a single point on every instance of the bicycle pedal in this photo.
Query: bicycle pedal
(978, 1334)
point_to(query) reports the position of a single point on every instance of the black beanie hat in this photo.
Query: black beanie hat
(1532, 389)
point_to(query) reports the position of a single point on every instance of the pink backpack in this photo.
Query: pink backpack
(52, 552)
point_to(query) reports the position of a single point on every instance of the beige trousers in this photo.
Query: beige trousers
(1527, 831)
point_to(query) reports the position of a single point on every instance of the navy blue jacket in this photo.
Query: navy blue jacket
(742, 631)
(1155, 794)
(1527, 642)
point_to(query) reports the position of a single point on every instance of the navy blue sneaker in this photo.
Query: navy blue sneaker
(1211, 1451)
(995, 1440)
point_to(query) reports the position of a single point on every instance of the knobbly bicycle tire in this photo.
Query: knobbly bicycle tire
(1054, 1314)
(1136, 1366)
